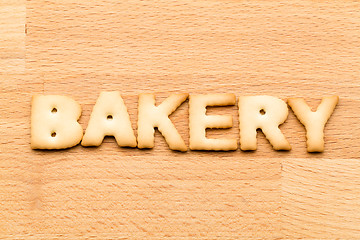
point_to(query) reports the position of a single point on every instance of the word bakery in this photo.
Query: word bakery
(54, 121)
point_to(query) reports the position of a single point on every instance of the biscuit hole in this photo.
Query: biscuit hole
(262, 112)
(54, 110)
(53, 134)
(109, 117)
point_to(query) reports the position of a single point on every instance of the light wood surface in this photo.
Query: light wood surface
(78, 48)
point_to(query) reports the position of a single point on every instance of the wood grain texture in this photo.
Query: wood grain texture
(78, 48)
(12, 36)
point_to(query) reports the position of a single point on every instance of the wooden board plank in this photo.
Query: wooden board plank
(295, 48)
(12, 36)
(319, 198)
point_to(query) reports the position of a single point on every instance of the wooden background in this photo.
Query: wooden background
(78, 48)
